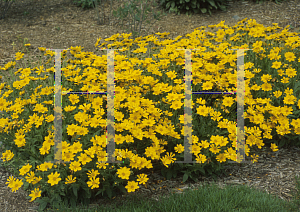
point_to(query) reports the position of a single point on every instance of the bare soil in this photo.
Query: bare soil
(59, 24)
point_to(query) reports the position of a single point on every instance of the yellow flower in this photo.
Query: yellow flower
(94, 183)
(207, 85)
(204, 144)
(230, 154)
(290, 56)
(123, 173)
(132, 186)
(277, 93)
(98, 40)
(20, 140)
(10, 180)
(257, 47)
(228, 101)
(84, 158)
(93, 173)
(25, 169)
(75, 166)
(45, 148)
(7, 155)
(101, 165)
(289, 99)
(19, 55)
(254, 158)
(179, 148)
(285, 80)
(42, 49)
(8, 65)
(203, 110)
(214, 149)
(53, 179)
(36, 180)
(291, 72)
(168, 158)
(30, 177)
(221, 158)
(274, 56)
(142, 178)
(71, 129)
(276, 65)
(274, 147)
(201, 158)
(70, 179)
(16, 184)
(35, 193)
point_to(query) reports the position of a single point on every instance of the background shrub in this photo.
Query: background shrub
(200, 6)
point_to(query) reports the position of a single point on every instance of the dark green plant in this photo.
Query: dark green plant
(86, 4)
(193, 6)
(138, 11)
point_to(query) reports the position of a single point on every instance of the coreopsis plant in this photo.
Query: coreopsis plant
(149, 110)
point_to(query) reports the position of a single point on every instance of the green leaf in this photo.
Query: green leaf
(26, 185)
(169, 174)
(56, 197)
(33, 150)
(193, 178)
(43, 204)
(75, 191)
(174, 174)
(122, 188)
(297, 84)
(109, 192)
(202, 170)
(48, 158)
(215, 177)
(32, 159)
(185, 177)
(87, 192)
(222, 7)
(100, 191)
(212, 3)
(203, 10)
(163, 172)
(168, 4)
(209, 171)
(73, 202)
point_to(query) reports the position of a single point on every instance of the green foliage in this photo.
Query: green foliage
(193, 6)
(136, 11)
(86, 4)
(199, 6)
